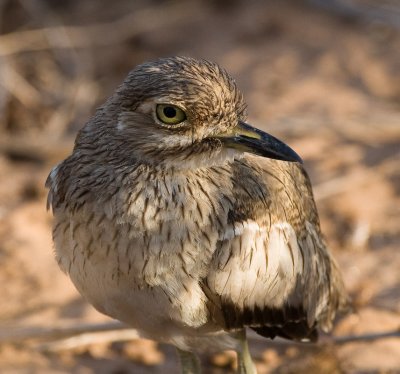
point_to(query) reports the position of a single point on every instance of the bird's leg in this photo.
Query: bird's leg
(245, 363)
(190, 364)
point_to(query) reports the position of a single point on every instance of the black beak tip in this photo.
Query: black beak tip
(270, 147)
(287, 156)
(292, 156)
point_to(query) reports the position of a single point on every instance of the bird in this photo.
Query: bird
(180, 219)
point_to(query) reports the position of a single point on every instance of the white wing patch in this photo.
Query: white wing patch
(257, 265)
(240, 227)
(283, 250)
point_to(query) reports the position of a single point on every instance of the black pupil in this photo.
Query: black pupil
(169, 112)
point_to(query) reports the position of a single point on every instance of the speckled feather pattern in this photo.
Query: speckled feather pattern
(187, 241)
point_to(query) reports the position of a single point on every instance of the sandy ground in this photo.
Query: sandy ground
(326, 83)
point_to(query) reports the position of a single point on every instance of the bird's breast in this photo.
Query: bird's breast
(153, 239)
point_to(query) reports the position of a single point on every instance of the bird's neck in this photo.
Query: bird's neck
(184, 163)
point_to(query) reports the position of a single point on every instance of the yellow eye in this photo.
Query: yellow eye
(170, 114)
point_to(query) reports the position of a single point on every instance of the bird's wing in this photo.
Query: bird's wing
(271, 270)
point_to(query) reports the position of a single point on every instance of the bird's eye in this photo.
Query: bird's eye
(170, 114)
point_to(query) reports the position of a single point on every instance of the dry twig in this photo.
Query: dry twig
(17, 85)
(94, 35)
(86, 339)
(76, 336)
(19, 335)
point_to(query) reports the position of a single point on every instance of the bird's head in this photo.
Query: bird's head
(180, 112)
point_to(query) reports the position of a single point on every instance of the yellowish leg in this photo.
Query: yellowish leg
(245, 363)
(190, 363)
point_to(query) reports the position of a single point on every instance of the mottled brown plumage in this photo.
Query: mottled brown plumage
(191, 231)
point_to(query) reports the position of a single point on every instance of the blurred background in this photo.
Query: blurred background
(322, 75)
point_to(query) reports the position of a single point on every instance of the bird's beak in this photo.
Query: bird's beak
(249, 139)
